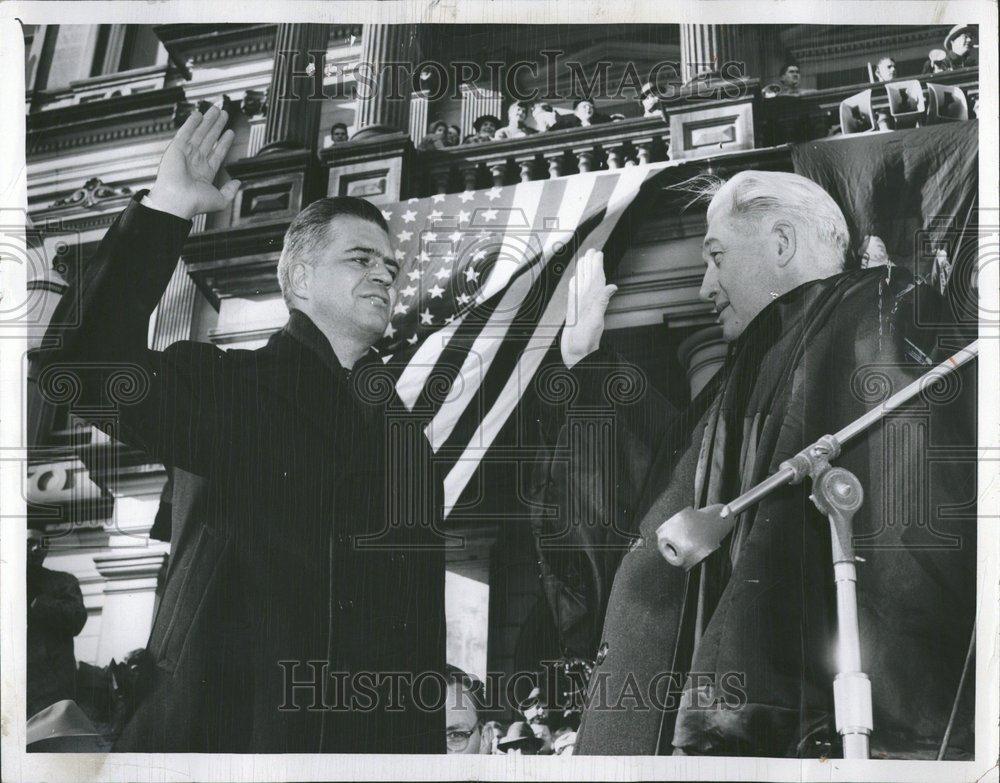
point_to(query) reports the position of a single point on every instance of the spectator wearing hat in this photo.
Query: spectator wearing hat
(885, 70)
(515, 127)
(484, 127)
(651, 104)
(519, 740)
(544, 117)
(55, 615)
(959, 51)
(435, 140)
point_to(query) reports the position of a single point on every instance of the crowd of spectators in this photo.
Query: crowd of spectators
(525, 118)
(539, 727)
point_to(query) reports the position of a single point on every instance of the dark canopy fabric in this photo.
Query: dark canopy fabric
(916, 189)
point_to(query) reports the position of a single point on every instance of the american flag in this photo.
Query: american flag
(481, 296)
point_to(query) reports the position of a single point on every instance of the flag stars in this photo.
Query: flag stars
(493, 194)
(401, 309)
(423, 258)
(438, 198)
(435, 291)
(463, 299)
(426, 318)
(412, 339)
(455, 236)
(414, 274)
(463, 216)
(410, 290)
(449, 319)
(387, 214)
(437, 214)
(430, 236)
(400, 255)
(409, 216)
(390, 330)
(467, 196)
(471, 275)
(479, 255)
(442, 274)
(404, 236)
(490, 214)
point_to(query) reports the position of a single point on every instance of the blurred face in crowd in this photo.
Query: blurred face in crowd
(544, 733)
(886, 70)
(791, 76)
(454, 136)
(463, 729)
(440, 131)
(961, 44)
(348, 287)
(585, 111)
(37, 548)
(743, 260)
(487, 128)
(543, 115)
(338, 133)
(516, 114)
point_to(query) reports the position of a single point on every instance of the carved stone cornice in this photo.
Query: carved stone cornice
(877, 44)
(94, 194)
(114, 119)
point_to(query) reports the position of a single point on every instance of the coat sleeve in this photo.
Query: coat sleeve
(180, 405)
(60, 605)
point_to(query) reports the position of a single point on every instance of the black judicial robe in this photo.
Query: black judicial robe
(737, 656)
(269, 578)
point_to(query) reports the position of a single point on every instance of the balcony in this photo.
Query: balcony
(705, 127)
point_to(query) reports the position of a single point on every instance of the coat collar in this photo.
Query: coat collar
(301, 328)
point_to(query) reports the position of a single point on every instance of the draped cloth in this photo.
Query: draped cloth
(736, 657)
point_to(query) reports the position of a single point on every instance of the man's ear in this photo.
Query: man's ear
(299, 279)
(783, 236)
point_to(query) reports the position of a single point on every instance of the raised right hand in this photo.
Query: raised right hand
(184, 182)
(587, 301)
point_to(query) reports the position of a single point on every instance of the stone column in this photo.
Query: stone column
(129, 600)
(419, 112)
(702, 354)
(477, 101)
(175, 311)
(707, 47)
(388, 52)
(293, 122)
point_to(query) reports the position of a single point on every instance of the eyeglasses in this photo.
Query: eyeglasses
(459, 740)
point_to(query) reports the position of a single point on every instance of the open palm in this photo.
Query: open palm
(184, 181)
(587, 301)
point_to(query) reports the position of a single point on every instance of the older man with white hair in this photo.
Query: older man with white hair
(736, 656)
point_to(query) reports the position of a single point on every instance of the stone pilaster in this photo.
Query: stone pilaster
(702, 354)
(477, 101)
(293, 111)
(388, 52)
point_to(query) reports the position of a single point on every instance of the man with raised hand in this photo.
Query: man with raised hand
(305, 590)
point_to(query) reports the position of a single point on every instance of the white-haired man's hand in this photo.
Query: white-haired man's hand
(185, 180)
(588, 298)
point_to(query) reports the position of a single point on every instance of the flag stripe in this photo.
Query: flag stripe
(626, 188)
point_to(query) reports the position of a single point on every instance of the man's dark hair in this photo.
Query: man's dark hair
(338, 125)
(311, 226)
(786, 66)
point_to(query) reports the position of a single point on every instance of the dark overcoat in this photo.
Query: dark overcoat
(304, 544)
(737, 656)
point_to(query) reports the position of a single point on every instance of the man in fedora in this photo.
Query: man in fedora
(959, 50)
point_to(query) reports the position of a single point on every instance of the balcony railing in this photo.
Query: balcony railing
(610, 146)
